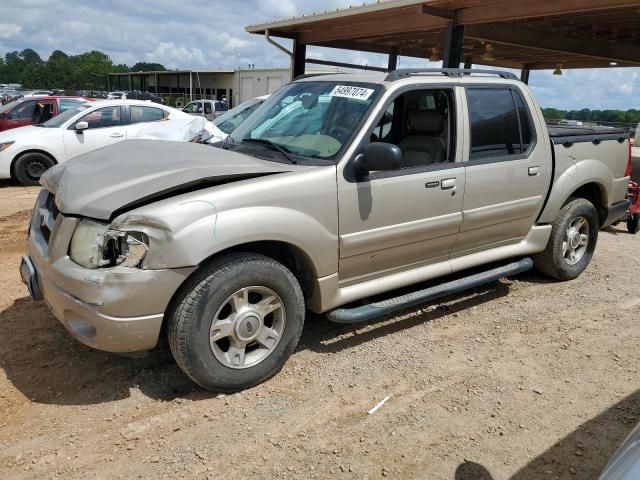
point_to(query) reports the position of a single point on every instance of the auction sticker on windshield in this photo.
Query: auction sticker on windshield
(347, 91)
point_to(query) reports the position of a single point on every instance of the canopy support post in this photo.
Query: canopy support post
(454, 38)
(299, 59)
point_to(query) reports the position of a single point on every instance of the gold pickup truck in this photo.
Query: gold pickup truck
(340, 194)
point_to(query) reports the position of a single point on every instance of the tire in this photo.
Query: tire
(30, 166)
(211, 298)
(633, 226)
(554, 261)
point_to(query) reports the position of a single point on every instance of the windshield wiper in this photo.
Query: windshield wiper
(274, 146)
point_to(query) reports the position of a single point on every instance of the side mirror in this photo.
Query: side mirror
(81, 127)
(380, 156)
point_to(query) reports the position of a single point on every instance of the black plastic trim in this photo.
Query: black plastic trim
(616, 211)
(449, 72)
(551, 182)
(370, 311)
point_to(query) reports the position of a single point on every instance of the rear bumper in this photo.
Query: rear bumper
(616, 211)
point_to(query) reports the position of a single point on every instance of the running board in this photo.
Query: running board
(367, 312)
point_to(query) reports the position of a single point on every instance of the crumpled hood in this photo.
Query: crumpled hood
(136, 172)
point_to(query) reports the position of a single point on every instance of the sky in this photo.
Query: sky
(210, 34)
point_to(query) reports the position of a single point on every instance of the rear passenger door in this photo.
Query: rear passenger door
(507, 169)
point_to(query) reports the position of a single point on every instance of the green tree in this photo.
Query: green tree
(90, 70)
(60, 70)
(148, 67)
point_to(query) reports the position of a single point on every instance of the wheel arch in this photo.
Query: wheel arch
(595, 193)
(25, 152)
(291, 256)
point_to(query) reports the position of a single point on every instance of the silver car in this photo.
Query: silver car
(210, 109)
(332, 196)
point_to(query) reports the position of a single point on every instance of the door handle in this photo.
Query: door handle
(117, 135)
(534, 171)
(448, 184)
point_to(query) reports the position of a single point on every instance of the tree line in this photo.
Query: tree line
(86, 71)
(587, 115)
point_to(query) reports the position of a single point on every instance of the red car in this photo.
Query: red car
(30, 110)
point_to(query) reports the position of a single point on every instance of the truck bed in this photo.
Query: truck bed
(565, 135)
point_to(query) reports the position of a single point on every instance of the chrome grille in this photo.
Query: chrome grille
(47, 215)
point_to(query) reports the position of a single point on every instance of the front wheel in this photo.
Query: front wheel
(573, 240)
(236, 323)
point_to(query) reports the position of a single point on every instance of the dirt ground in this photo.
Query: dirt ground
(524, 379)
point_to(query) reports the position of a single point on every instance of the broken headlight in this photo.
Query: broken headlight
(95, 245)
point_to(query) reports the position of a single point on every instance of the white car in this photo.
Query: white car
(26, 152)
(228, 122)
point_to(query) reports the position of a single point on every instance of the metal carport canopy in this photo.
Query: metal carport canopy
(522, 34)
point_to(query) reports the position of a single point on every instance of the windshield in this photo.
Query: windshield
(229, 121)
(8, 106)
(311, 118)
(56, 122)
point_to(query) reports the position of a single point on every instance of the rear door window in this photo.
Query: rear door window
(140, 114)
(495, 123)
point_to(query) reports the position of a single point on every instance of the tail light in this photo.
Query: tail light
(627, 172)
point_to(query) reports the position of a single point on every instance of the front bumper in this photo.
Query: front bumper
(113, 309)
(6, 157)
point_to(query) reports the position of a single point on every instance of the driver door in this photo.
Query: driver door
(398, 220)
(106, 127)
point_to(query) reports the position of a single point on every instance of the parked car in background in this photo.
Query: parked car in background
(210, 109)
(9, 96)
(229, 121)
(148, 96)
(27, 152)
(31, 111)
(335, 191)
(134, 95)
(37, 93)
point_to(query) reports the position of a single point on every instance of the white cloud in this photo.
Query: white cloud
(171, 54)
(8, 30)
(279, 8)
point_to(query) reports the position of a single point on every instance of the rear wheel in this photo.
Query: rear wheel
(573, 240)
(633, 226)
(29, 167)
(236, 322)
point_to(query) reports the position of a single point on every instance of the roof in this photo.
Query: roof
(506, 33)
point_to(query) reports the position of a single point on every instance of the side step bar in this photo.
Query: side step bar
(367, 312)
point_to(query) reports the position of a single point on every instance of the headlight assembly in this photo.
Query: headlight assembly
(5, 145)
(95, 245)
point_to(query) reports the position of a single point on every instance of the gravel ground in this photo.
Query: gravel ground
(524, 379)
